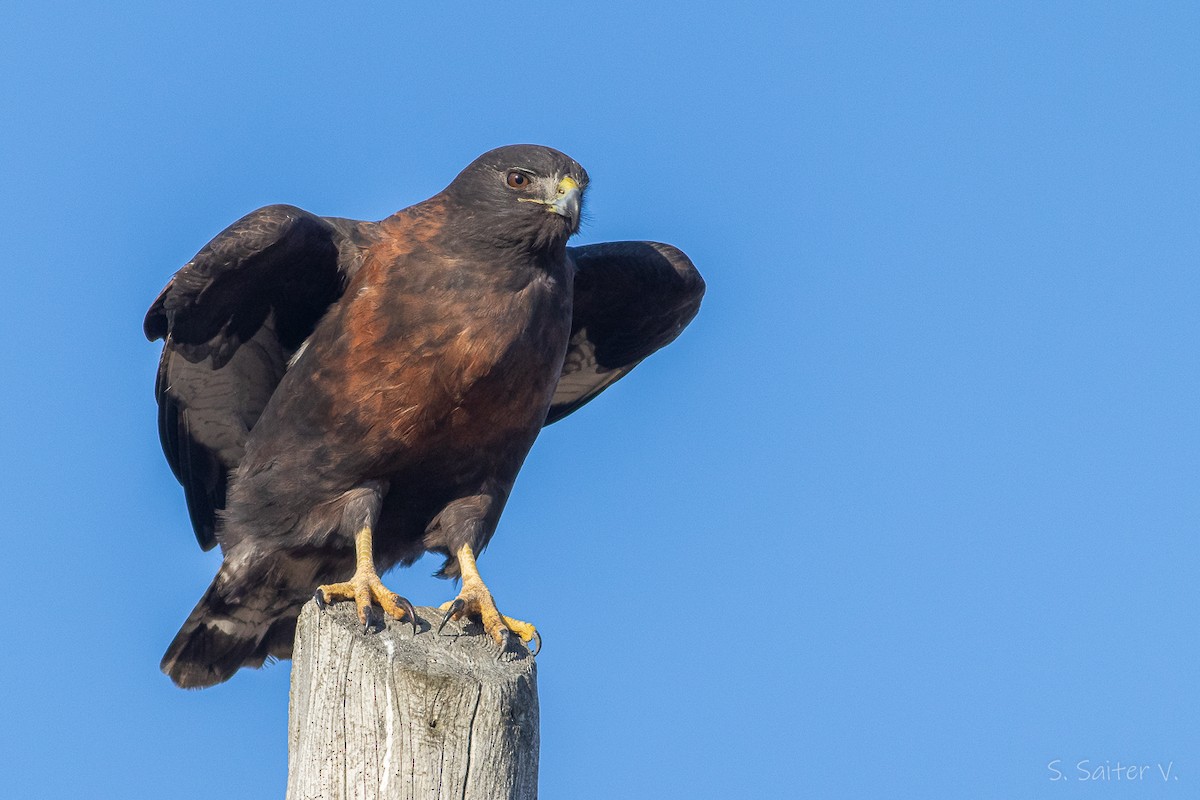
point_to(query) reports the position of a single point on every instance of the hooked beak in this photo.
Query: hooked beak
(566, 200)
(563, 199)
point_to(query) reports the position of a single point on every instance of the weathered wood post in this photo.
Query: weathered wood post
(390, 715)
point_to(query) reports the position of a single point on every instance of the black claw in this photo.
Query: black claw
(409, 610)
(319, 596)
(505, 640)
(538, 637)
(374, 620)
(455, 607)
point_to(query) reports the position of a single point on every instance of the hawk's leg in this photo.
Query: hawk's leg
(475, 600)
(364, 587)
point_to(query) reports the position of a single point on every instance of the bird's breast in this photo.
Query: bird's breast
(449, 365)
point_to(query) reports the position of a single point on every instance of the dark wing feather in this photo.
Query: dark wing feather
(631, 298)
(232, 317)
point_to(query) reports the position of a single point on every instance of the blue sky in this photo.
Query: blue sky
(909, 510)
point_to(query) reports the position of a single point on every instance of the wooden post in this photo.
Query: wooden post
(390, 715)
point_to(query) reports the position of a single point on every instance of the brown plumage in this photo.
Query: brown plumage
(426, 352)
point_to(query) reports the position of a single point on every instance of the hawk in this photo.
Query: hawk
(338, 396)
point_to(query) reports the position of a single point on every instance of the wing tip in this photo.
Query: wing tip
(154, 326)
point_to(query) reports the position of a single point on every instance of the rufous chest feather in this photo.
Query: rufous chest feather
(418, 356)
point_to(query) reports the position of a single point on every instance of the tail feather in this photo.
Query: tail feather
(237, 623)
(247, 615)
(217, 639)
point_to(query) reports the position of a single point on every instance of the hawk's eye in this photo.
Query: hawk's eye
(517, 180)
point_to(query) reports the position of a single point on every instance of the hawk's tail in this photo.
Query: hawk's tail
(225, 633)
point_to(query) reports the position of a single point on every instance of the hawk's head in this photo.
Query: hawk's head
(522, 194)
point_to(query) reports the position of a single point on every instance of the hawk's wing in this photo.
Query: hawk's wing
(631, 298)
(232, 317)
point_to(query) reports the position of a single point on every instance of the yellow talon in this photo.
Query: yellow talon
(365, 587)
(476, 600)
(523, 629)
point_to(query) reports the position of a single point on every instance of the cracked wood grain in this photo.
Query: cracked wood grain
(390, 715)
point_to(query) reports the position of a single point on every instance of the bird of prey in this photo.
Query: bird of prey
(338, 397)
